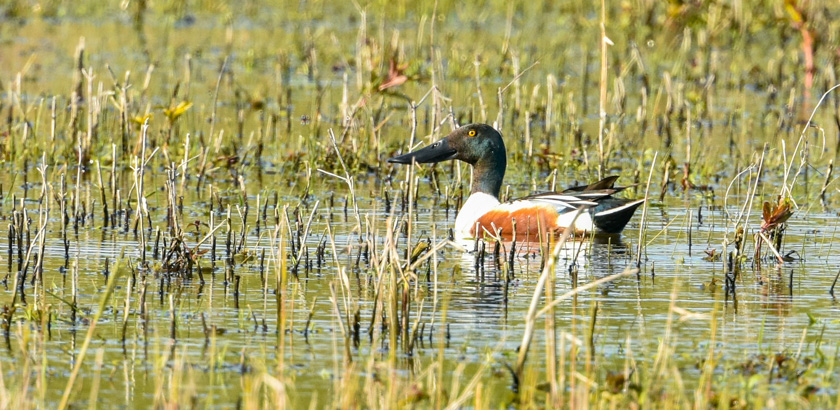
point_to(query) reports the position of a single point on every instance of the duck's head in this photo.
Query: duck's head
(479, 145)
(471, 143)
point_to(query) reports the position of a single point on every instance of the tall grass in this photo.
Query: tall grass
(162, 209)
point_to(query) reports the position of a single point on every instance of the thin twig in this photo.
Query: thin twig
(644, 212)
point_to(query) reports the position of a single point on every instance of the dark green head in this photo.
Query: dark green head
(479, 145)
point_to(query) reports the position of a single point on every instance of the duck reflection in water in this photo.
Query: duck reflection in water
(488, 285)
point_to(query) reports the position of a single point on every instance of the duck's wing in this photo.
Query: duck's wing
(554, 211)
(604, 184)
(608, 214)
(568, 201)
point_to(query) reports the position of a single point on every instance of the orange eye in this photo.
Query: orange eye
(471, 133)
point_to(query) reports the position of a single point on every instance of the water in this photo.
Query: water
(209, 344)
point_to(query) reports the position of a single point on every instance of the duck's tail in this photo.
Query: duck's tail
(612, 214)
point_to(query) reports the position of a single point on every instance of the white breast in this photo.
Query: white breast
(477, 204)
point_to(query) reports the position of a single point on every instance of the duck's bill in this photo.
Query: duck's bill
(437, 152)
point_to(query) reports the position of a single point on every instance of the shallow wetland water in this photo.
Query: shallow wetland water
(240, 268)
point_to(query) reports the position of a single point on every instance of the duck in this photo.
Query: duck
(483, 147)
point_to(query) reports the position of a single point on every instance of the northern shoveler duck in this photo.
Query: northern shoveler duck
(481, 146)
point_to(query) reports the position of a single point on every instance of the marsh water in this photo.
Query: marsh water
(290, 75)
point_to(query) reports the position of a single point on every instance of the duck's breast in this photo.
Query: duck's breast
(477, 204)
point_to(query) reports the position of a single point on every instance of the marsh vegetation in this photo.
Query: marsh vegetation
(198, 211)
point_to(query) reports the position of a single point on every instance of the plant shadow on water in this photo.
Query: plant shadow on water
(199, 211)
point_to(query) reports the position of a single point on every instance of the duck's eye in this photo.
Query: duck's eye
(471, 133)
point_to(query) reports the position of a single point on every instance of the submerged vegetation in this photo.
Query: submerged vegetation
(199, 212)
